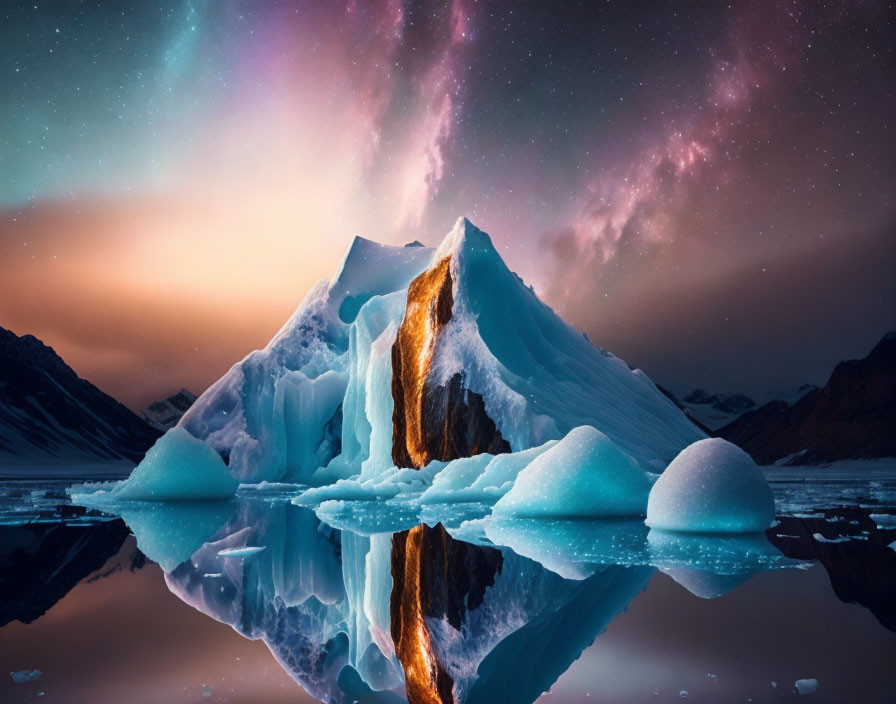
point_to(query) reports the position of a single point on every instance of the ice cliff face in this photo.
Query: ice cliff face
(278, 413)
(411, 355)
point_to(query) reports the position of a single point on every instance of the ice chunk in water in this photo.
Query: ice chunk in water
(806, 686)
(247, 551)
(23, 676)
(711, 487)
(465, 480)
(178, 468)
(821, 539)
(583, 475)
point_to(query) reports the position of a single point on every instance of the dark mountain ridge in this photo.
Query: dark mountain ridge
(853, 416)
(49, 415)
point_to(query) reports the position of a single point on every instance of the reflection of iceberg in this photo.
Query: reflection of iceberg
(326, 604)
(310, 596)
(478, 624)
(170, 533)
(571, 548)
(709, 565)
(367, 517)
(706, 585)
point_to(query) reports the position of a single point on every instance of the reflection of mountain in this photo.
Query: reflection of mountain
(418, 614)
(49, 415)
(854, 552)
(41, 562)
(852, 416)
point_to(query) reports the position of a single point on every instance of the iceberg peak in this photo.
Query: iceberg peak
(464, 237)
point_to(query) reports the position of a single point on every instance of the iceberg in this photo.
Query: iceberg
(492, 354)
(806, 686)
(482, 478)
(411, 355)
(178, 468)
(712, 486)
(254, 423)
(22, 676)
(585, 475)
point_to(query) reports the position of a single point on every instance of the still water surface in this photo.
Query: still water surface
(371, 603)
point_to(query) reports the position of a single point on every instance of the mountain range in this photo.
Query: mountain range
(489, 371)
(50, 416)
(853, 416)
(165, 414)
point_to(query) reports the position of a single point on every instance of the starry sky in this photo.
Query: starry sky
(706, 189)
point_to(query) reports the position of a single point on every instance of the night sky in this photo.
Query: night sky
(706, 189)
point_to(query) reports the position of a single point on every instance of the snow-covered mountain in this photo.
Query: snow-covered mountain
(410, 355)
(852, 416)
(709, 411)
(715, 410)
(164, 414)
(49, 416)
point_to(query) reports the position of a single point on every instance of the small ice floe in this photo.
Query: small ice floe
(683, 693)
(821, 539)
(270, 487)
(784, 535)
(774, 684)
(711, 676)
(207, 691)
(213, 575)
(247, 551)
(883, 520)
(22, 676)
(806, 686)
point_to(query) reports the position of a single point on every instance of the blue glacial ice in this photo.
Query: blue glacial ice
(315, 406)
(23, 676)
(178, 468)
(483, 478)
(712, 486)
(244, 415)
(585, 475)
(323, 602)
(587, 433)
(169, 533)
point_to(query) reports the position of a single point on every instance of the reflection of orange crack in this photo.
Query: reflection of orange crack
(413, 646)
(430, 301)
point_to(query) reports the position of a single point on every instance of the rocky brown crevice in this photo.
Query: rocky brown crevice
(430, 421)
(434, 577)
